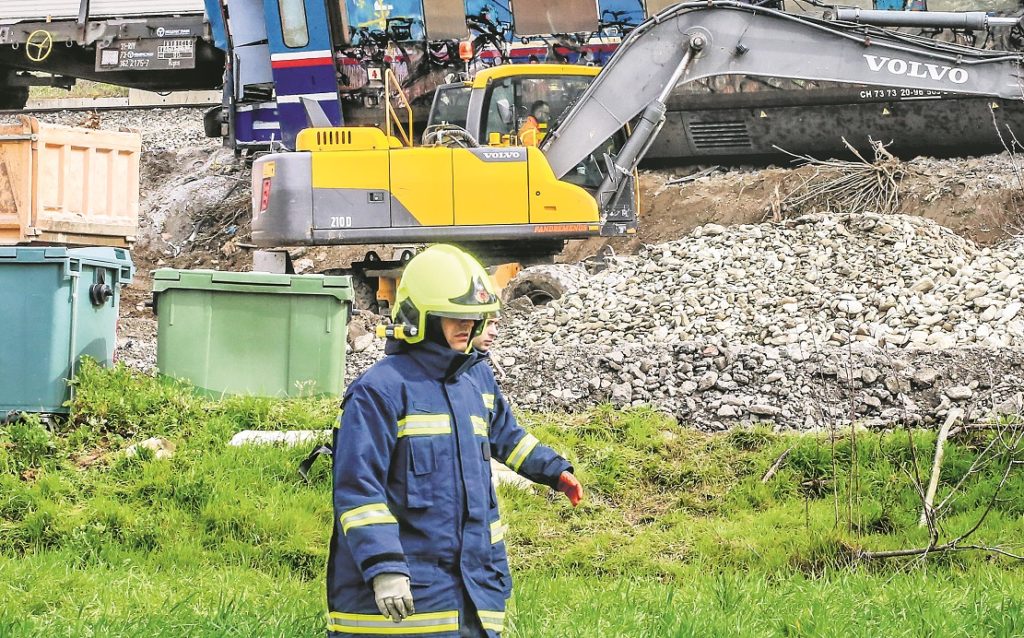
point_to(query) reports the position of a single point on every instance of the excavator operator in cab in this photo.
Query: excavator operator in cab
(530, 133)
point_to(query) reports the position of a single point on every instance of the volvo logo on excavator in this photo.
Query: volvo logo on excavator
(896, 66)
(505, 155)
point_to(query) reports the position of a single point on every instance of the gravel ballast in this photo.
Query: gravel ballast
(807, 323)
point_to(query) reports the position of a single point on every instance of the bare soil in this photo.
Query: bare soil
(979, 198)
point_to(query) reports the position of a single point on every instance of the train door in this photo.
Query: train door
(299, 35)
(248, 83)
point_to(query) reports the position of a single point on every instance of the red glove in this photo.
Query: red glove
(570, 486)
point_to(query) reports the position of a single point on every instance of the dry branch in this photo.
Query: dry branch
(775, 466)
(850, 187)
(947, 547)
(689, 178)
(933, 485)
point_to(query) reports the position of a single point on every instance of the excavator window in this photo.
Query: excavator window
(451, 104)
(508, 102)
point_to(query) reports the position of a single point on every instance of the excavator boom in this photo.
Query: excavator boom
(695, 40)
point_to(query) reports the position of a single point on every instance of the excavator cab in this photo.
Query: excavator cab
(495, 106)
(510, 103)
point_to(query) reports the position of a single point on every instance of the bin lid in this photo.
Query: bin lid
(339, 287)
(118, 259)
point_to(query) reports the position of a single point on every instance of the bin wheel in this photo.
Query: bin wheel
(100, 293)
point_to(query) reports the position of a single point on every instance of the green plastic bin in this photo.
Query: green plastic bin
(255, 334)
(58, 304)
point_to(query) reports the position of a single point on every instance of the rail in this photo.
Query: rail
(392, 120)
(105, 108)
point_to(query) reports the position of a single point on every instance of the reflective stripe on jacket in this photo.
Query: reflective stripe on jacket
(413, 493)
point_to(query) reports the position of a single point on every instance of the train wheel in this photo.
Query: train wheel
(11, 96)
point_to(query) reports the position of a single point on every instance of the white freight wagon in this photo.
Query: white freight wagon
(159, 45)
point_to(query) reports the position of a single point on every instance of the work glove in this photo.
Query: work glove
(570, 486)
(393, 596)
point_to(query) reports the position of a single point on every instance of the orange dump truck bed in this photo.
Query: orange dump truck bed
(65, 185)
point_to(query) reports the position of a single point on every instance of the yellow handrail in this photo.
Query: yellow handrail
(392, 115)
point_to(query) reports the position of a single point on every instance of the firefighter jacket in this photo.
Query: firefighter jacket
(413, 492)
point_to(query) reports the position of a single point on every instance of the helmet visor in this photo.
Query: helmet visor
(465, 316)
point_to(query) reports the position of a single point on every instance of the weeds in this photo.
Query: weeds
(680, 534)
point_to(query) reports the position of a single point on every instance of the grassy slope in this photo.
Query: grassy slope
(678, 537)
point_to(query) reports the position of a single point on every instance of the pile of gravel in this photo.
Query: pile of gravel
(815, 321)
(889, 281)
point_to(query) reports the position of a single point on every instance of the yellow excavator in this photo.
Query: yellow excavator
(473, 182)
(500, 199)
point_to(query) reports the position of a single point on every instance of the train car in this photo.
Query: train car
(159, 45)
(343, 53)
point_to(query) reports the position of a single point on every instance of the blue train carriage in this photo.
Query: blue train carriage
(158, 45)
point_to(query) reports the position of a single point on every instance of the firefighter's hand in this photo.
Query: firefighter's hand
(570, 486)
(393, 596)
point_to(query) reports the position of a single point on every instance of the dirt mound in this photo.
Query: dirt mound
(979, 198)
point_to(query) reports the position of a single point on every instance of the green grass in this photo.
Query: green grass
(678, 535)
(81, 89)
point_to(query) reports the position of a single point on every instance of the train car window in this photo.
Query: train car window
(534, 17)
(293, 23)
(997, 7)
(619, 16)
(656, 6)
(339, 20)
(382, 22)
(491, 19)
(445, 19)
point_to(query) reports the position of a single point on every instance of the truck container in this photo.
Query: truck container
(59, 305)
(68, 185)
(258, 334)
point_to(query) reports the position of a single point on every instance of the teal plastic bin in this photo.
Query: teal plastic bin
(255, 334)
(58, 304)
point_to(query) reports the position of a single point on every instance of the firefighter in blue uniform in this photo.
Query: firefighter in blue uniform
(417, 547)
